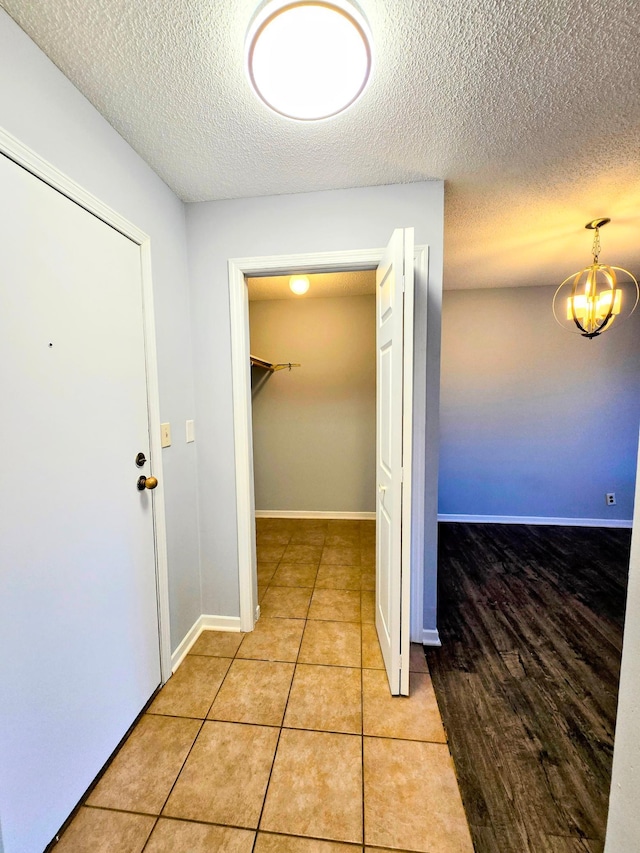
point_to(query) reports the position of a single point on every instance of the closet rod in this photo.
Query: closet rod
(268, 365)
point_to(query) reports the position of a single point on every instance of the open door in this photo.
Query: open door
(394, 319)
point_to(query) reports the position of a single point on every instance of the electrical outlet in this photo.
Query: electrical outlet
(610, 498)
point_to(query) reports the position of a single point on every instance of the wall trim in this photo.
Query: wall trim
(28, 159)
(340, 261)
(424, 526)
(41, 168)
(303, 513)
(220, 623)
(430, 637)
(202, 623)
(534, 519)
(185, 646)
(238, 268)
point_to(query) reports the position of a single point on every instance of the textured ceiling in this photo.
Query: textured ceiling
(529, 111)
(321, 285)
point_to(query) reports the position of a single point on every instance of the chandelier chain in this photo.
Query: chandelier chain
(596, 246)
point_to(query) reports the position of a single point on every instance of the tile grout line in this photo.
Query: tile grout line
(289, 696)
(362, 668)
(178, 818)
(297, 728)
(182, 766)
(360, 623)
(275, 753)
(159, 815)
(362, 730)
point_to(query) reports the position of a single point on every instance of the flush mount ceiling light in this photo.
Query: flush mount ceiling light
(299, 284)
(308, 60)
(589, 301)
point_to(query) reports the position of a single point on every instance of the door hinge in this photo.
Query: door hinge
(402, 475)
(400, 661)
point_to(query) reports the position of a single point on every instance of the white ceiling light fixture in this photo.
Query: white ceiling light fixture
(299, 284)
(308, 60)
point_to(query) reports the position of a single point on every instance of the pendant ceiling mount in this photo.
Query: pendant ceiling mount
(308, 60)
(597, 223)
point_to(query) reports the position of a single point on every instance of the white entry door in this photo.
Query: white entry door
(79, 633)
(394, 313)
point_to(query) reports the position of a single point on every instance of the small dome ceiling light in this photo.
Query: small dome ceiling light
(299, 284)
(588, 302)
(308, 60)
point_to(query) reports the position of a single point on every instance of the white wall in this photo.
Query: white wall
(40, 107)
(623, 825)
(337, 220)
(314, 428)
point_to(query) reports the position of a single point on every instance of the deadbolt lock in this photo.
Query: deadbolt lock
(140, 459)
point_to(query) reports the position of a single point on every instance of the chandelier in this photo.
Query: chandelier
(590, 301)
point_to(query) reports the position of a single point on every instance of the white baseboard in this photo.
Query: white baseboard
(183, 649)
(295, 513)
(534, 519)
(202, 623)
(430, 637)
(220, 623)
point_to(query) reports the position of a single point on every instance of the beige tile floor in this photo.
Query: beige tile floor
(286, 740)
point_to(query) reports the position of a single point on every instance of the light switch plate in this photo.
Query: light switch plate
(165, 435)
(190, 433)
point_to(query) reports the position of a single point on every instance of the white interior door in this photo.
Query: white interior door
(394, 313)
(78, 602)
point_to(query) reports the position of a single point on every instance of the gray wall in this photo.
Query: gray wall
(362, 218)
(535, 422)
(314, 428)
(623, 825)
(40, 107)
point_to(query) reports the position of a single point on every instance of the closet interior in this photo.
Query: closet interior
(314, 438)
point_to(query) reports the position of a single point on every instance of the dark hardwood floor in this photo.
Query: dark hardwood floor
(531, 620)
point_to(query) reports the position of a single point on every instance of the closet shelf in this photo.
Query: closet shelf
(270, 366)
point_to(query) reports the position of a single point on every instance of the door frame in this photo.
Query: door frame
(25, 157)
(341, 261)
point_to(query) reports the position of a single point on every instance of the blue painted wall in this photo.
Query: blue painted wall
(535, 421)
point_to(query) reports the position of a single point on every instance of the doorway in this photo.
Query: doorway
(314, 397)
(313, 371)
(245, 497)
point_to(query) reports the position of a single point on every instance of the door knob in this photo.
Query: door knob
(146, 483)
